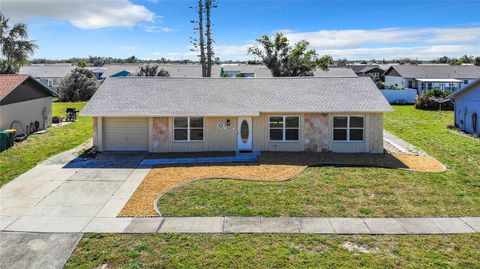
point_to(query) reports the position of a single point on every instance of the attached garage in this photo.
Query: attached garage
(125, 134)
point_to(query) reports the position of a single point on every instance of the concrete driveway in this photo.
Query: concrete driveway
(36, 250)
(65, 194)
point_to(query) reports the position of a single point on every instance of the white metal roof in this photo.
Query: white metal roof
(446, 80)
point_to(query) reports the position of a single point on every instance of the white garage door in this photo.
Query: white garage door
(125, 134)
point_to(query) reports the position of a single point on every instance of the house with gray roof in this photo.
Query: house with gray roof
(467, 107)
(335, 72)
(373, 71)
(234, 114)
(50, 75)
(424, 77)
(119, 70)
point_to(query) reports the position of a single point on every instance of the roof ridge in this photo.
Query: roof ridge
(234, 78)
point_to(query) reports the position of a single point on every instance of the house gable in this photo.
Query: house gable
(28, 90)
(392, 72)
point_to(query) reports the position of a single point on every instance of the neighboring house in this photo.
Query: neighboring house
(188, 70)
(119, 70)
(424, 77)
(25, 104)
(245, 70)
(260, 71)
(373, 71)
(98, 71)
(258, 114)
(467, 107)
(50, 75)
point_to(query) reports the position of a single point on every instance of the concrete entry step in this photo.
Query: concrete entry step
(242, 157)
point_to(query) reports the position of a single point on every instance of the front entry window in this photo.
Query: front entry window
(188, 129)
(244, 131)
(284, 128)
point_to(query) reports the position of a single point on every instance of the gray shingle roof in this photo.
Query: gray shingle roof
(113, 69)
(438, 71)
(150, 96)
(336, 72)
(47, 71)
(357, 68)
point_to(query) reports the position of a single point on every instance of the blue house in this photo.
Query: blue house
(467, 107)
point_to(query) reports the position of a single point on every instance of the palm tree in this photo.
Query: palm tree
(14, 44)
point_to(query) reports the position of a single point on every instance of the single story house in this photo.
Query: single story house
(424, 77)
(25, 104)
(119, 70)
(50, 75)
(235, 114)
(98, 71)
(467, 107)
(260, 71)
(373, 71)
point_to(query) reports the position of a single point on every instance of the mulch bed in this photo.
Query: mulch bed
(272, 166)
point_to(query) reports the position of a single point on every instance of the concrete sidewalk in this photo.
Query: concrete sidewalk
(249, 225)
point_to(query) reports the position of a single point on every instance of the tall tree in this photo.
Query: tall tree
(79, 85)
(152, 71)
(15, 46)
(465, 59)
(284, 60)
(203, 10)
(477, 61)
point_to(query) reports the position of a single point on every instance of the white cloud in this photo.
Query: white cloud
(239, 52)
(156, 29)
(388, 43)
(335, 39)
(415, 52)
(91, 14)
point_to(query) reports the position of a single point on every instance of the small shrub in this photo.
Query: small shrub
(364, 210)
(380, 84)
(57, 119)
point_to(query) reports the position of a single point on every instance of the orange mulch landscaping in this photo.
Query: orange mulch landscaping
(270, 167)
(162, 179)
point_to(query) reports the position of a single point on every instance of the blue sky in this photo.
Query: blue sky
(151, 29)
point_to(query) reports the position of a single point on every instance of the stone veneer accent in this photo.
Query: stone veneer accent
(95, 131)
(316, 132)
(160, 134)
(375, 133)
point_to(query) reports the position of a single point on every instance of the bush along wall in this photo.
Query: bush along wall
(430, 100)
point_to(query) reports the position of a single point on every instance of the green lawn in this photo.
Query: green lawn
(354, 192)
(25, 155)
(275, 251)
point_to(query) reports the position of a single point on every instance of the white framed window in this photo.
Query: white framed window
(348, 128)
(187, 129)
(284, 128)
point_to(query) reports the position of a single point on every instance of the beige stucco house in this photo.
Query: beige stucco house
(25, 104)
(218, 114)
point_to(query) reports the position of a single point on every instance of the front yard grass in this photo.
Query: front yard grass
(354, 192)
(25, 155)
(275, 251)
